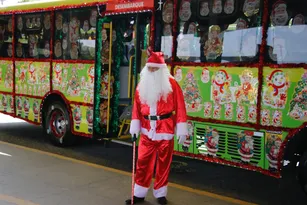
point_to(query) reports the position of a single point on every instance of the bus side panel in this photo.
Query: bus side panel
(82, 119)
(6, 87)
(283, 97)
(28, 109)
(76, 82)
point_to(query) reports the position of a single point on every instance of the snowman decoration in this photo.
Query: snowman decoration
(220, 87)
(272, 156)
(279, 15)
(26, 107)
(276, 93)
(77, 115)
(89, 118)
(205, 76)
(246, 146)
(178, 74)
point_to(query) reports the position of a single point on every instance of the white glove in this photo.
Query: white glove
(182, 139)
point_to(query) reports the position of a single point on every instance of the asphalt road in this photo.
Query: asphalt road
(228, 181)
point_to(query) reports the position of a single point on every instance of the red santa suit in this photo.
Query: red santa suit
(157, 135)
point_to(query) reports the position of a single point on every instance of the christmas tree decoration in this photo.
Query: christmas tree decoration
(191, 93)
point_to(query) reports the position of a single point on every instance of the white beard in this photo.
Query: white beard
(154, 85)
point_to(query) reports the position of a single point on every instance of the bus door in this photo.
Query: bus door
(122, 41)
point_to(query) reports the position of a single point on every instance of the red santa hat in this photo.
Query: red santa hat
(273, 73)
(225, 73)
(249, 133)
(156, 59)
(279, 5)
(278, 140)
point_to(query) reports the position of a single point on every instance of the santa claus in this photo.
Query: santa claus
(158, 111)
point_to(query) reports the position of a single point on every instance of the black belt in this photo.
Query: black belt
(161, 117)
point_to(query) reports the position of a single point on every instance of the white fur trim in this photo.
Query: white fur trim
(245, 155)
(156, 136)
(140, 191)
(156, 65)
(161, 192)
(135, 127)
(182, 129)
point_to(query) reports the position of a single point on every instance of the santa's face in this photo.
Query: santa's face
(9, 25)
(241, 25)
(280, 15)
(153, 69)
(10, 50)
(93, 18)
(86, 26)
(220, 78)
(248, 138)
(299, 20)
(65, 27)
(229, 6)
(74, 52)
(64, 46)
(204, 8)
(168, 12)
(59, 21)
(58, 49)
(167, 31)
(215, 134)
(47, 50)
(185, 12)
(192, 28)
(19, 23)
(279, 80)
(104, 34)
(217, 6)
(278, 144)
(47, 22)
(205, 75)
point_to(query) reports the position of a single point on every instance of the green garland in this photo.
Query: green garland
(114, 120)
(97, 119)
(116, 73)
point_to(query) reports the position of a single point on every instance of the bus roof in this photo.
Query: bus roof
(47, 5)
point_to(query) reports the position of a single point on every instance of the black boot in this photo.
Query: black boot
(162, 201)
(136, 200)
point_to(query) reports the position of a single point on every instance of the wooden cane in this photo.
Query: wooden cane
(133, 168)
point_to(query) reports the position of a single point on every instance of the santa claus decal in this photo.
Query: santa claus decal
(246, 146)
(273, 146)
(279, 14)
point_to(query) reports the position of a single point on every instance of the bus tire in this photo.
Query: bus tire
(302, 172)
(58, 125)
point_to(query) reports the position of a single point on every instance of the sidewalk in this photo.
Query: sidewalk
(32, 177)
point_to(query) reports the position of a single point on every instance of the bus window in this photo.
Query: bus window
(164, 28)
(219, 31)
(287, 32)
(32, 34)
(6, 48)
(75, 32)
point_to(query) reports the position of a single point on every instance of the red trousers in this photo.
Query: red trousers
(149, 153)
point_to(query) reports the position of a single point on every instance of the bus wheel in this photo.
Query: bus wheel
(302, 172)
(58, 125)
